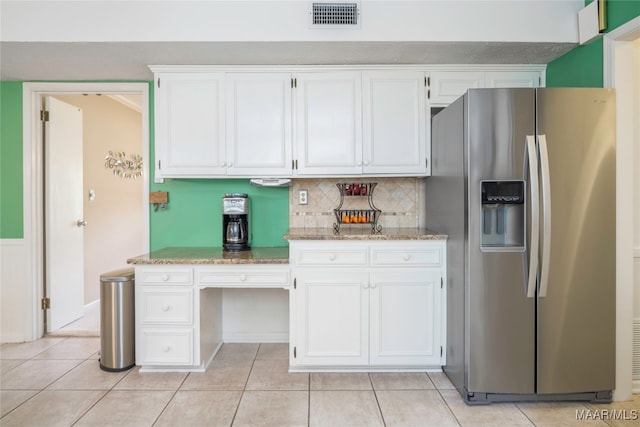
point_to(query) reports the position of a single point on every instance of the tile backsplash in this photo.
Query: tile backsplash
(399, 199)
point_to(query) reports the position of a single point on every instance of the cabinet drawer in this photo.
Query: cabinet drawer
(167, 346)
(175, 276)
(431, 257)
(354, 256)
(239, 278)
(167, 306)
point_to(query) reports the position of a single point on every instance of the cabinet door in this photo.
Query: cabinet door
(405, 317)
(394, 122)
(447, 86)
(332, 317)
(190, 124)
(511, 79)
(259, 124)
(329, 123)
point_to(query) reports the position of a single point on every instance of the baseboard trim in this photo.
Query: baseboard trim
(240, 337)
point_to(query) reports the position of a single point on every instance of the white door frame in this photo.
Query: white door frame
(33, 163)
(621, 38)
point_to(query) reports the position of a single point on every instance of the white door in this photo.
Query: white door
(394, 122)
(64, 229)
(405, 318)
(329, 123)
(259, 124)
(190, 125)
(333, 317)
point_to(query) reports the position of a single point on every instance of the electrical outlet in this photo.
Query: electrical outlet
(302, 197)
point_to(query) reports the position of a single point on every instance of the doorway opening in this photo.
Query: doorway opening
(96, 220)
(35, 192)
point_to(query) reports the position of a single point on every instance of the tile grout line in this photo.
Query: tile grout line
(253, 362)
(170, 399)
(451, 411)
(375, 396)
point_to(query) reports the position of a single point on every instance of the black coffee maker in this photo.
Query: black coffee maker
(235, 222)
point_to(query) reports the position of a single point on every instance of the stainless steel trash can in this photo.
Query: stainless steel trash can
(117, 330)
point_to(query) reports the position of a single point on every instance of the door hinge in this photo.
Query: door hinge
(294, 353)
(44, 116)
(295, 283)
(440, 351)
(45, 303)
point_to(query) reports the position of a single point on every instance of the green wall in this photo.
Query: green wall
(11, 223)
(193, 216)
(583, 66)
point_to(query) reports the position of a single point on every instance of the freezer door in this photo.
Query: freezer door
(576, 304)
(501, 319)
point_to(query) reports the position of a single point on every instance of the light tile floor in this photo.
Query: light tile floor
(56, 381)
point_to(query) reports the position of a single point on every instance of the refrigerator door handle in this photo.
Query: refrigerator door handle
(531, 161)
(546, 215)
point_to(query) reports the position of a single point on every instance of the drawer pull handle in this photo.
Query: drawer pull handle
(406, 257)
(165, 277)
(166, 307)
(332, 257)
(166, 348)
(243, 277)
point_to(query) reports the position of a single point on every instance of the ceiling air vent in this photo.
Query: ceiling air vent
(335, 15)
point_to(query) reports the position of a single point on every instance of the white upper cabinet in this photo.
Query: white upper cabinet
(512, 79)
(329, 123)
(395, 125)
(253, 122)
(258, 124)
(447, 86)
(189, 116)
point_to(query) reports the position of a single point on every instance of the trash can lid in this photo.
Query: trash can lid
(123, 275)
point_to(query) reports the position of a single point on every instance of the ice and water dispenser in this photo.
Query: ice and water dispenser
(503, 216)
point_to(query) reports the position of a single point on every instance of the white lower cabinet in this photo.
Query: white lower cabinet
(332, 317)
(385, 310)
(164, 299)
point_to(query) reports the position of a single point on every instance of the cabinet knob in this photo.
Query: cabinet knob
(406, 257)
(166, 348)
(359, 163)
(230, 164)
(166, 307)
(223, 164)
(332, 257)
(243, 277)
(373, 286)
(365, 286)
(366, 163)
(165, 277)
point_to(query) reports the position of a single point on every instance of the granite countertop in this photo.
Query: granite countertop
(363, 234)
(211, 255)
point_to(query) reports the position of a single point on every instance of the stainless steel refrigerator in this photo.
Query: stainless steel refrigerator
(523, 182)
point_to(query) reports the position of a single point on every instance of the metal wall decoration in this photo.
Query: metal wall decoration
(123, 167)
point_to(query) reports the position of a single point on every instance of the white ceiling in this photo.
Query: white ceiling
(130, 60)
